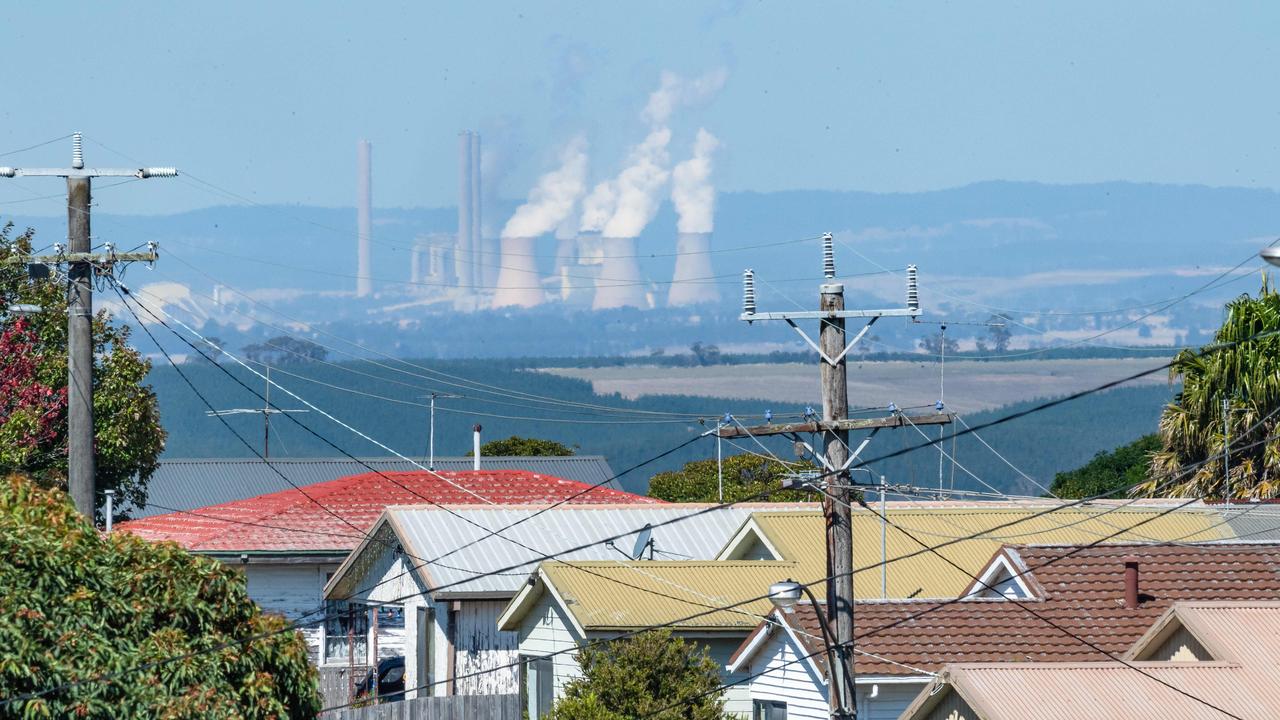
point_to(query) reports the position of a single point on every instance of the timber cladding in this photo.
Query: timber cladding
(454, 707)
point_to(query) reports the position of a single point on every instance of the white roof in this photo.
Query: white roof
(455, 539)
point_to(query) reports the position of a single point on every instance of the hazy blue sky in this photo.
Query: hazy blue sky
(267, 98)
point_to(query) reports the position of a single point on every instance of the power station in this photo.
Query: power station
(582, 266)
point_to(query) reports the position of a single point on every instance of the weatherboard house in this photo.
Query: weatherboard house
(452, 571)
(1031, 605)
(290, 542)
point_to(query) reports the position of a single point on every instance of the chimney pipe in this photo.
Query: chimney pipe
(1131, 582)
(364, 220)
(475, 443)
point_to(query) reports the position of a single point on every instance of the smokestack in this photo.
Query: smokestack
(518, 282)
(475, 443)
(619, 283)
(483, 256)
(1131, 582)
(464, 263)
(364, 220)
(692, 283)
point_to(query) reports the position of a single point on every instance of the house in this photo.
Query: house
(1108, 595)
(290, 542)
(972, 531)
(715, 603)
(793, 545)
(1199, 660)
(452, 604)
(189, 483)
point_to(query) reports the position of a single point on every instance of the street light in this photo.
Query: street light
(1271, 254)
(785, 596)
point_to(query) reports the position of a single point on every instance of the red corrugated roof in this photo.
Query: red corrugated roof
(1083, 592)
(291, 521)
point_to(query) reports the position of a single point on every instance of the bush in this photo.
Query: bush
(174, 634)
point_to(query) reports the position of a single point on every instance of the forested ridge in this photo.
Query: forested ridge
(388, 404)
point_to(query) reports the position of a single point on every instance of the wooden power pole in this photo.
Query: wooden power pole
(836, 456)
(83, 265)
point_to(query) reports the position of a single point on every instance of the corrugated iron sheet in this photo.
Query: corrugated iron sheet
(187, 484)
(800, 537)
(431, 533)
(625, 595)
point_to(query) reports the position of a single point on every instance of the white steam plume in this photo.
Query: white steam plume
(553, 198)
(691, 190)
(598, 207)
(676, 91)
(637, 186)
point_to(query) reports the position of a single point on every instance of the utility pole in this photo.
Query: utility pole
(836, 457)
(431, 432)
(266, 411)
(84, 263)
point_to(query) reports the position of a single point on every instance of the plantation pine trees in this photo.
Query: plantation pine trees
(1242, 367)
(111, 626)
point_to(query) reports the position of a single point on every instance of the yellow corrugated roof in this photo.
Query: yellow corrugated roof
(800, 537)
(624, 595)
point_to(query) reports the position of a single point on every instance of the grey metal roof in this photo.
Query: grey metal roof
(428, 532)
(1253, 521)
(187, 484)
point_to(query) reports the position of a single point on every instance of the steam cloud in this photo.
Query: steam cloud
(691, 190)
(638, 185)
(553, 198)
(598, 207)
(676, 91)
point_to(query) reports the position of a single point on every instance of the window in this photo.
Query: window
(538, 687)
(346, 629)
(768, 710)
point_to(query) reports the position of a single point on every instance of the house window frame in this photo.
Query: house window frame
(768, 710)
(336, 614)
(543, 670)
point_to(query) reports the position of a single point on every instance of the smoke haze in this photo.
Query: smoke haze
(552, 199)
(691, 190)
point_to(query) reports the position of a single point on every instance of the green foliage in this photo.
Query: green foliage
(78, 604)
(1245, 372)
(746, 476)
(516, 446)
(1113, 472)
(639, 677)
(126, 415)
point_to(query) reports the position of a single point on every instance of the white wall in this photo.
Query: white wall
(479, 645)
(291, 590)
(544, 631)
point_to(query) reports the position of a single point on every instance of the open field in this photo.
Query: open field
(970, 385)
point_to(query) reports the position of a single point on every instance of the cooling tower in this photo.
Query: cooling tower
(692, 283)
(364, 221)
(518, 282)
(463, 262)
(619, 284)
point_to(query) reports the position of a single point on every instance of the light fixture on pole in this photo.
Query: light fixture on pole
(785, 596)
(1271, 254)
(431, 432)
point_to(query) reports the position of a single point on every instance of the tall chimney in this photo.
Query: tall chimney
(1131, 582)
(475, 446)
(518, 281)
(364, 220)
(463, 262)
(692, 283)
(619, 283)
(481, 259)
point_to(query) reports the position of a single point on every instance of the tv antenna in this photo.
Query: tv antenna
(266, 411)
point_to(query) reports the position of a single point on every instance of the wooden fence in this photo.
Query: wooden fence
(453, 707)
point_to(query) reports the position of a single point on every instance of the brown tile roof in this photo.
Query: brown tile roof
(1081, 590)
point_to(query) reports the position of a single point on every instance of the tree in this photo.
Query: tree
(283, 350)
(177, 632)
(1245, 371)
(746, 477)
(33, 388)
(1113, 472)
(935, 344)
(998, 331)
(650, 675)
(705, 354)
(516, 446)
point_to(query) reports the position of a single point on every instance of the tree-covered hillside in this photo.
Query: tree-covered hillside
(385, 401)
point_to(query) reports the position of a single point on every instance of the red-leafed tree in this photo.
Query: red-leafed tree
(33, 387)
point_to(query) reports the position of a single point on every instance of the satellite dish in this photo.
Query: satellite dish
(644, 541)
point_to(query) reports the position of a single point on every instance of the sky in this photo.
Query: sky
(267, 100)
